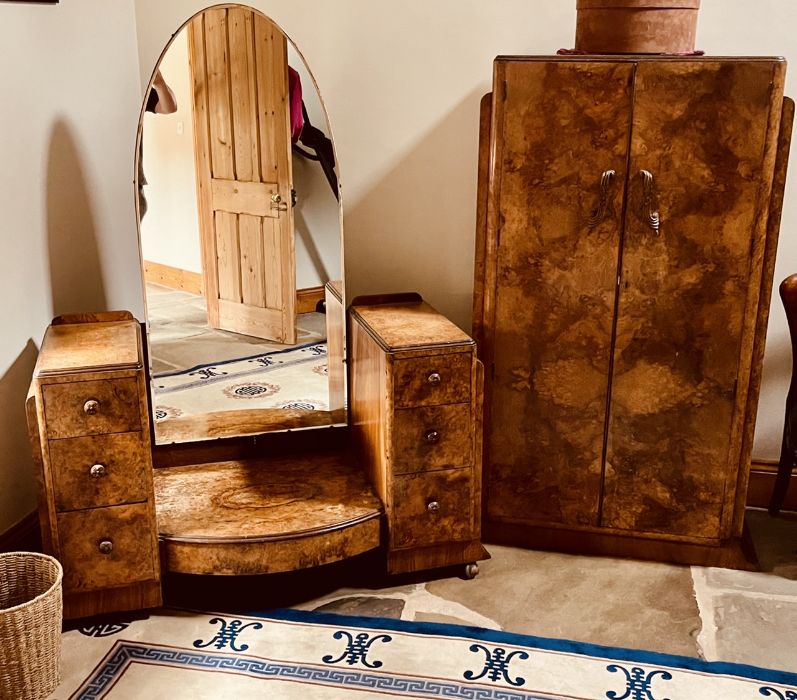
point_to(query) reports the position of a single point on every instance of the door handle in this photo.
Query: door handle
(649, 213)
(599, 213)
(277, 203)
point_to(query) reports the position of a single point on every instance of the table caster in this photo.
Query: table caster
(471, 570)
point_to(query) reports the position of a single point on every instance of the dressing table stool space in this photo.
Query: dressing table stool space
(416, 389)
(89, 428)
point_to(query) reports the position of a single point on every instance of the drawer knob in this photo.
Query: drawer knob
(91, 407)
(433, 506)
(106, 547)
(434, 378)
(432, 436)
(97, 471)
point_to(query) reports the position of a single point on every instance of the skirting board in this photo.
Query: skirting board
(22, 537)
(307, 299)
(762, 482)
(173, 277)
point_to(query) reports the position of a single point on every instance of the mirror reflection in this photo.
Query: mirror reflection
(240, 235)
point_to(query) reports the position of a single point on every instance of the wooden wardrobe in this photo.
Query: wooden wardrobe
(628, 219)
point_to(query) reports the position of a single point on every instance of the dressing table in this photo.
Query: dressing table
(249, 425)
(116, 509)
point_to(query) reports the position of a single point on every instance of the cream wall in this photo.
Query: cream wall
(70, 94)
(317, 213)
(402, 83)
(170, 228)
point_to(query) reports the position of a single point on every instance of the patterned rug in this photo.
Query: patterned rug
(292, 379)
(296, 654)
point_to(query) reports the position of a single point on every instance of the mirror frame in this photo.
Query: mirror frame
(225, 429)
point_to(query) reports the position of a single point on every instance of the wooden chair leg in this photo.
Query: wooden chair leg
(787, 460)
(788, 294)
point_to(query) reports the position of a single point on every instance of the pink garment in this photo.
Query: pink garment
(295, 92)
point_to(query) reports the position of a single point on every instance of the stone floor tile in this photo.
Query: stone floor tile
(606, 601)
(756, 630)
(437, 617)
(370, 606)
(775, 541)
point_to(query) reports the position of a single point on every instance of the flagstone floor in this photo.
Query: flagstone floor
(714, 614)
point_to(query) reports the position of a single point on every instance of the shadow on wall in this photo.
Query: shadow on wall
(17, 482)
(410, 231)
(302, 231)
(76, 279)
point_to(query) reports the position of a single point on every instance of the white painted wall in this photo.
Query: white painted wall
(317, 214)
(170, 228)
(70, 87)
(401, 82)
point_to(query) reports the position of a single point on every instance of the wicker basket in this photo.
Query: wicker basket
(30, 625)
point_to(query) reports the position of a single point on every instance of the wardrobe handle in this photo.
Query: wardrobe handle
(599, 213)
(649, 215)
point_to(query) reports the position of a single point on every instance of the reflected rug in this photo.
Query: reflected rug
(289, 379)
(295, 654)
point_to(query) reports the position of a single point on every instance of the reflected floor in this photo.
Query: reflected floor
(202, 371)
(175, 316)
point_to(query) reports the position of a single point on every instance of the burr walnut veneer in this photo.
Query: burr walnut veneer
(628, 219)
(114, 510)
(415, 413)
(90, 433)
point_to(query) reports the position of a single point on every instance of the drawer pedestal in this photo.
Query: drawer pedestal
(416, 408)
(89, 428)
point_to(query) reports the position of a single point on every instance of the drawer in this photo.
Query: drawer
(99, 470)
(432, 380)
(436, 437)
(432, 508)
(106, 547)
(74, 409)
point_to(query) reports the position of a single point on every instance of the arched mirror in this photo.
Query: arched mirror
(240, 231)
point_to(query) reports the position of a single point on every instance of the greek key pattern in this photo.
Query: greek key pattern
(125, 653)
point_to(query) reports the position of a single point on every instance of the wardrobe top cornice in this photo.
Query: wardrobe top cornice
(640, 58)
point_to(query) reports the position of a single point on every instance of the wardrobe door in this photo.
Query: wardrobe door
(700, 175)
(559, 149)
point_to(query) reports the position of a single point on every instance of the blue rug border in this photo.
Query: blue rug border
(237, 359)
(652, 658)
